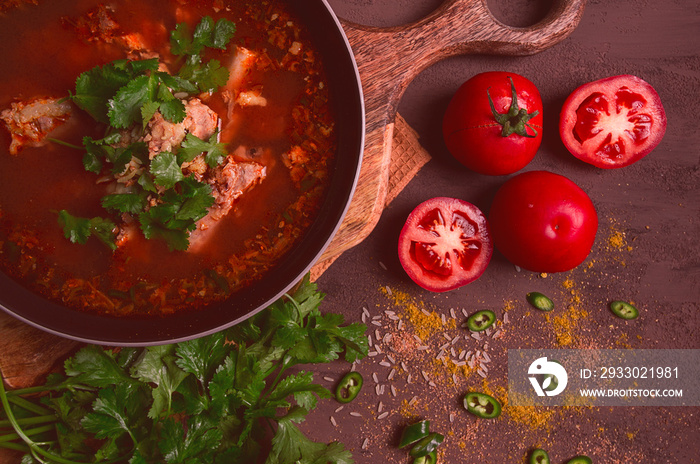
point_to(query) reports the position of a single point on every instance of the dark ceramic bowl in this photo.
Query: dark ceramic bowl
(348, 104)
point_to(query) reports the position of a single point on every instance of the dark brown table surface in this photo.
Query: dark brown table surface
(647, 251)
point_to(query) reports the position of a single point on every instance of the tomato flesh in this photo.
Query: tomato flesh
(613, 122)
(445, 244)
(454, 243)
(626, 126)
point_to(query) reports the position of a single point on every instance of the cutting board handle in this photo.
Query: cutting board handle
(389, 58)
(394, 56)
(461, 27)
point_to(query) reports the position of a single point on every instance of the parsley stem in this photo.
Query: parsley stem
(33, 447)
(30, 390)
(30, 420)
(66, 144)
(28, 405)
(296, 306)
(268, 421)
(283, 367)
(14, 446)
(28, 432)
(66, 384)
(36, 457)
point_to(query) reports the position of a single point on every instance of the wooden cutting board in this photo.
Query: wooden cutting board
(388, 59)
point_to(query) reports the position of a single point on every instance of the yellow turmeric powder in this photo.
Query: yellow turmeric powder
(425, 323)
(565, 323)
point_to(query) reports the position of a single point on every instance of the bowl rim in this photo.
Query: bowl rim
(23, 304)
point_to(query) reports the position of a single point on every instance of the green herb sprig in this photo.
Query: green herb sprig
(125, 94)
(190, 45)
(209, 400)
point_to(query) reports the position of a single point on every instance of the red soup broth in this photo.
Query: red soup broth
(47, 46)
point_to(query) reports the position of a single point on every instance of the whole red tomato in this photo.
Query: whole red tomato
(543, 222)
(493, 124)
(445, 244)
(613, 122)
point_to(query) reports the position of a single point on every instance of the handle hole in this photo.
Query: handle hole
(383, 13)
(520, 13)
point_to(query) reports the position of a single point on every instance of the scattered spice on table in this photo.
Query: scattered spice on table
(566, 323)
(423, 359)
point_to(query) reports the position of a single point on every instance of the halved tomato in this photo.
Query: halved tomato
(445, 244)
(612, 122)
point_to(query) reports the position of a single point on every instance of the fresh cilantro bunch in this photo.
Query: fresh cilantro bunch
(217, 399)
(126, 94)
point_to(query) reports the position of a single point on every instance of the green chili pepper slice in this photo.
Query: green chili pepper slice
(426, 445)
(481, 320)
(540, 301)
(624, 310)
(580, 460)
(427, 459)
(414, 433)
(539, 456)
(482, 405)
(349, 387)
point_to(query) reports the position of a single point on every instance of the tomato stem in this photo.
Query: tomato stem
(515, 120)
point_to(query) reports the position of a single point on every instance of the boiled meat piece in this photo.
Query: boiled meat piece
(30, 122)
(229, 181)
(163, 135)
